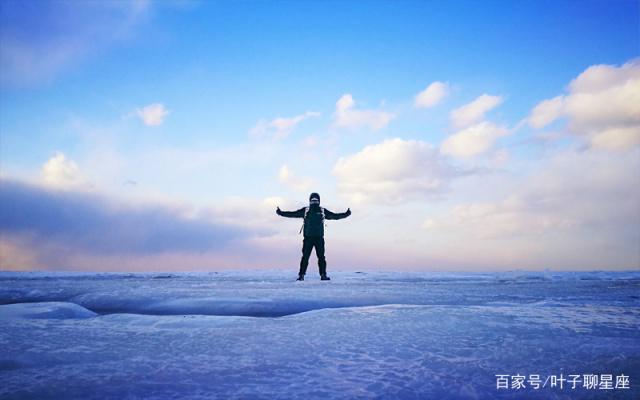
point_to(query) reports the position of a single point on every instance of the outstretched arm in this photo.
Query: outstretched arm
(291, 214)
(331, 215)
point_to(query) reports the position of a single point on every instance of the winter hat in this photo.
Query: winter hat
(314, 198)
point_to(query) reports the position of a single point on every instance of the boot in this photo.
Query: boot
(300, 278)
(324, 278)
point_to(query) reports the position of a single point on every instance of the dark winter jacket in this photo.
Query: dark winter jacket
(313, 220)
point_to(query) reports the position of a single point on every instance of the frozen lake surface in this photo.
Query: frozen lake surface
(259, 335)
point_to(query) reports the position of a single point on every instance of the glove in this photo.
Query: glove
(348, 211)
(278, 211)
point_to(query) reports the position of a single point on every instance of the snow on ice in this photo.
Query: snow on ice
(259, 335)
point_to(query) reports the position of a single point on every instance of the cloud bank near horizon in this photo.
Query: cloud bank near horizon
(55, 224)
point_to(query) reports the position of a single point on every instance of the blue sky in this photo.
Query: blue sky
(216, 112)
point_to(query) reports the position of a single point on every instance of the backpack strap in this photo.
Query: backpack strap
(304, 219)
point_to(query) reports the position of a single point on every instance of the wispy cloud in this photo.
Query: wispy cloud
(279, 128)
(288, 178)
(474, 112)
(473, 140)
(347, 116)
(39, 42)
(153, 114)
(432, 95)
(546, 112)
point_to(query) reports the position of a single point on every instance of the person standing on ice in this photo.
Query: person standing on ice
(313, 226)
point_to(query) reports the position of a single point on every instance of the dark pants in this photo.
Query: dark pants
(307, 245)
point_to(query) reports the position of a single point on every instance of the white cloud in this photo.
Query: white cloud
(393, 171)
(572, 200)
(348, 117)
(546, 112)
(60, 172)
(247, 212)
(153, 114)
(510, 217)
(616, 138)
(474, 111)
(432, 95)
(272, 201)
(473, 140)
(288, 178)
(280, 127)
(602, 104)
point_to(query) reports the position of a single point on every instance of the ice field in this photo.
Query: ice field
(260, 335)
